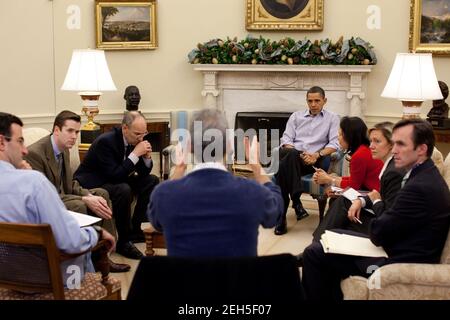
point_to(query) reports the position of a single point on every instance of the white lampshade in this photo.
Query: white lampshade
(412, 78)
(88, 71)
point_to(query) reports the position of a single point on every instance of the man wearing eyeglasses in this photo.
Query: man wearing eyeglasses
(120, 162)
(27, 196)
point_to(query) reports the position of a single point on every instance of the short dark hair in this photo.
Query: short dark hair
(316, 89)
(63, 116)
(6, 120)
(422, 133)
(354, 132)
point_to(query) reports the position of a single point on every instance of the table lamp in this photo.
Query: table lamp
(88, 74)
(412, 81)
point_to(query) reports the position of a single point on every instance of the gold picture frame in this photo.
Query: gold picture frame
(427, 31)
(125, 24)
(284, 15)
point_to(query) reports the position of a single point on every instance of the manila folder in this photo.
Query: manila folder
(333, 242)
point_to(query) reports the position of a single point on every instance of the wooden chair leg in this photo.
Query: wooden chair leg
(149, 243)
(153, 239)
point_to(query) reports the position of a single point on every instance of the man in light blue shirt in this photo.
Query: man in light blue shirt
(310, 136)
(28, 197)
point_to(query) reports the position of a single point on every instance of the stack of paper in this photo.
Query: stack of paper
(333, 242)
(84, 220)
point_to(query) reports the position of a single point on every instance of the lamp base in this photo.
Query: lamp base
(412, 109)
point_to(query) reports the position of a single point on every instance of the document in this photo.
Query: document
(333, 242)
(84, 220)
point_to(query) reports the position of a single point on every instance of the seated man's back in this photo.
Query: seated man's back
(211, 213)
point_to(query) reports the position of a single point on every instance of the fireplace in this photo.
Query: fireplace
(268, 126)
(282, 88)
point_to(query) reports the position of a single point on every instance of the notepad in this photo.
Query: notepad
(333, 242)
(84, 220)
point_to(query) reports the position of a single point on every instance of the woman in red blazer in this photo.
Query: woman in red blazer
(364, 170)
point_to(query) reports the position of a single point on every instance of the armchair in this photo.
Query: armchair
(446, 170)
(403, 281)
(33, 134)
(30, 268)
(180, 280)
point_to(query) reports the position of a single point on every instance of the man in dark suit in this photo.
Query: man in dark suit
(413, 230)
(120, 162)
(337, 216)
(50, 155)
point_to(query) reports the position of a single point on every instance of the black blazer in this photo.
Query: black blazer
(390, 184)
(105, 163)
(415, 228)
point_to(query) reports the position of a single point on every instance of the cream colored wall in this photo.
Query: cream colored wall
(36, 43)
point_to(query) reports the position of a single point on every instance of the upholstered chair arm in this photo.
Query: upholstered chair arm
(402, 281)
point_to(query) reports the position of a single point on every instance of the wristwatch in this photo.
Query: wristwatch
(99, 231)
(320, 153)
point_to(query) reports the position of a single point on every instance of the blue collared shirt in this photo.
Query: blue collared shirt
(312, 134)
(28, 197)
(56, 151)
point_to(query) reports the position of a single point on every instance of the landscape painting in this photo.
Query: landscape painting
(126, 25)
(430, 26)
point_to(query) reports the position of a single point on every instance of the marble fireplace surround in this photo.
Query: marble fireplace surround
(282, 88)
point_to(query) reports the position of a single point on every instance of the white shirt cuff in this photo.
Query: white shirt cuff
(363, 202)
(133, 158)
(377, 200)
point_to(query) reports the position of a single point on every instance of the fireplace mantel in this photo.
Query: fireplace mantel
(278, 87)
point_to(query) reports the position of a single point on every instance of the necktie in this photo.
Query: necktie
(60, 160)
(405, 178)
(128, 150)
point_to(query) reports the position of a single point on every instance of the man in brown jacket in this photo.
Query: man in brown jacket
(50, 155)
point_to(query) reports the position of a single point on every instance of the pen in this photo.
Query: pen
(359, 221)
(317, 169)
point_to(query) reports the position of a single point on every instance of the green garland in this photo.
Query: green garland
(354, 51)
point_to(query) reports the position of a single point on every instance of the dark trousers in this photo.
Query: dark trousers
(121, 195)
(322, 272)
(336, 218)
(289, 175)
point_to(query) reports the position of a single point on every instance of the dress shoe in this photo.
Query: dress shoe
(118, 267)
(300, 212)
(299, 258)
(128, 250)
(281, 228)
(137, 237)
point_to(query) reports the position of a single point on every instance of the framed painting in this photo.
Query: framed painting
(125, 24)
(284, 15)
(429, 27)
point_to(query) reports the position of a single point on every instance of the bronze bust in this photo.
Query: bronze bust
(132, 97)
(440, 108)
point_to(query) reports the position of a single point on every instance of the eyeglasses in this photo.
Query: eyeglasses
(139, 134)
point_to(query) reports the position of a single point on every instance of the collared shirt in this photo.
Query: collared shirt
(28, 197)
(56, 151)
(134, 158)
(311, 134)
(209, 165)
